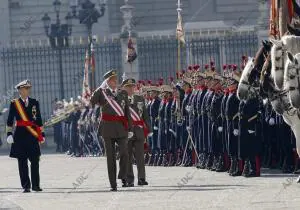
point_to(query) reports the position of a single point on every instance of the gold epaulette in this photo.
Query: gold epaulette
(253, 118)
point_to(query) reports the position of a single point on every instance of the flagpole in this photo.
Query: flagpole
(178, 41)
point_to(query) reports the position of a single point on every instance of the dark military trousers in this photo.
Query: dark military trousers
(184, 134)
(216, 140)
(232, 140)
(24, 174)
(179, 132)
(200, 135)
(111, 159)
(136, 148)
(154, 138)
(162, 136)
(205, 133)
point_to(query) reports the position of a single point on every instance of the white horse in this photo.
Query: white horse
(279, 50)
(292, 80)
(244, 88)
(279, 99)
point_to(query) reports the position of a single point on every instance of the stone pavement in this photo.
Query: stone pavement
(81, 183)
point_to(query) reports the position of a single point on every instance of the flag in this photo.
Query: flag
(92, 58)
(179, 30)
(86, 91)
(131, 52)
(294, 8)
(274, 30)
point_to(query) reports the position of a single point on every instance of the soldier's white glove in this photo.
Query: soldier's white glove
(43, 141)
(220, 129)
(272, 121)
(150, 134)
(130, 135)
(155, 128)
(236, 132)
(10, 139)
(251, 131)
(188, 108)
(173, 132)
(188, 128)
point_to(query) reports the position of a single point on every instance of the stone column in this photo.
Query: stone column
(129, 70)
(263, 22)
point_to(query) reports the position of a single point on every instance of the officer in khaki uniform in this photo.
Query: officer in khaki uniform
(115, 125)
(141, 129)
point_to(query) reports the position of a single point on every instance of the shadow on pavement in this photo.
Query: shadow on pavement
(133, 190)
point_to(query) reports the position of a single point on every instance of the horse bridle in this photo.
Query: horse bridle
(293, 77)
(277, 68)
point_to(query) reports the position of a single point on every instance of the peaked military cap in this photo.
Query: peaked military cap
(25, 83)
(128, 82)
(110, 74)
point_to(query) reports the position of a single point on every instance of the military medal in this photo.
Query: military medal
(123, 104)
(34, 112)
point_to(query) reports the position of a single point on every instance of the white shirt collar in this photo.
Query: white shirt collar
(24, 100)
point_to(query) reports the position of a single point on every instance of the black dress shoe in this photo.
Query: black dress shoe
(113, 189)
(37, 189)
(27, 190)
(142, 182)
(130, 184)
(124, 183)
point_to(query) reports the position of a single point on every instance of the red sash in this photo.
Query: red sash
(34, 129)
(118, 109)
(137, 121)
(113, 118)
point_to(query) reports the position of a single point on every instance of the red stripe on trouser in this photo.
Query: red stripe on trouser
(241, 165)
(257, 165)
(226, 160)
(194, 157)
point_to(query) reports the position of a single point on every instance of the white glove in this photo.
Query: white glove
(155, 128)
(220, 129)
(150, 134)
(130, 135)
(43, 141)
(236, 132)
(272, 121)
(188, 108)
(173, 132)
(10, 139)
(188, 128)
(251, 131)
